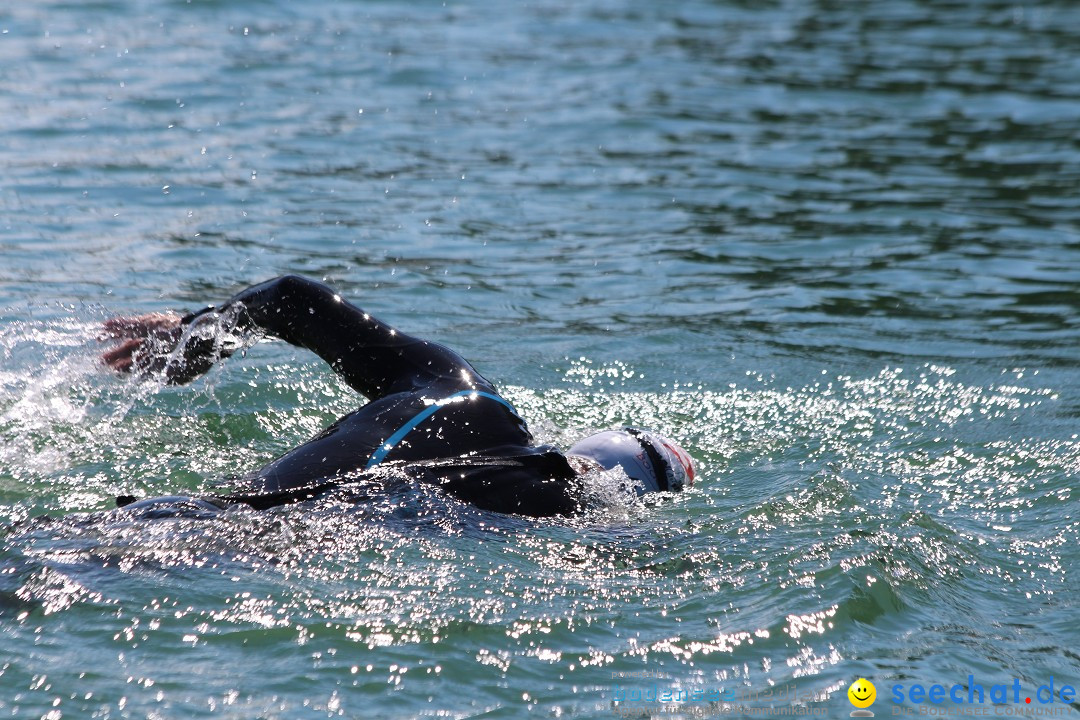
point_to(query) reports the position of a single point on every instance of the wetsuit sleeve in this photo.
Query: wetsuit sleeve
(371, 356)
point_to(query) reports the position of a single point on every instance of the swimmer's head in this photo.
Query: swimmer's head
(652, 461)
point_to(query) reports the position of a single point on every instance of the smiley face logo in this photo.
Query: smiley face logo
(862, 693)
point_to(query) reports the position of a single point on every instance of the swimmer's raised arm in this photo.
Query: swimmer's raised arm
(370, 356)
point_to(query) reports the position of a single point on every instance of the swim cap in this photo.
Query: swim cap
(652, 461)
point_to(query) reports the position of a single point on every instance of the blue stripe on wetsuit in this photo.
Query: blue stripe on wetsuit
(391, 442)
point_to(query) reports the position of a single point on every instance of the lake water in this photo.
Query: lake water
(832, 247)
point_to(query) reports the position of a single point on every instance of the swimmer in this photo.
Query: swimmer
(429, 412)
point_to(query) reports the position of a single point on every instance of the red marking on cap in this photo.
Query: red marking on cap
(683, 457)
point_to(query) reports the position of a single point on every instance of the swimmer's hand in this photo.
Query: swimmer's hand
(149, 347)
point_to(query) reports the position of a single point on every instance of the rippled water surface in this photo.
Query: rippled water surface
(832, 247)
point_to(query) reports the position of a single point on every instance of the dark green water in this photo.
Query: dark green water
(832, 247)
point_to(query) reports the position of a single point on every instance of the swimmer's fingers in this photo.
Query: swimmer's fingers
(140, 326)
(121, 357)
(144, 355)
(151, 346)
(160, 357)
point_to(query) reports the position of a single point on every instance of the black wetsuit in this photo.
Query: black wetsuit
(430, 415)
